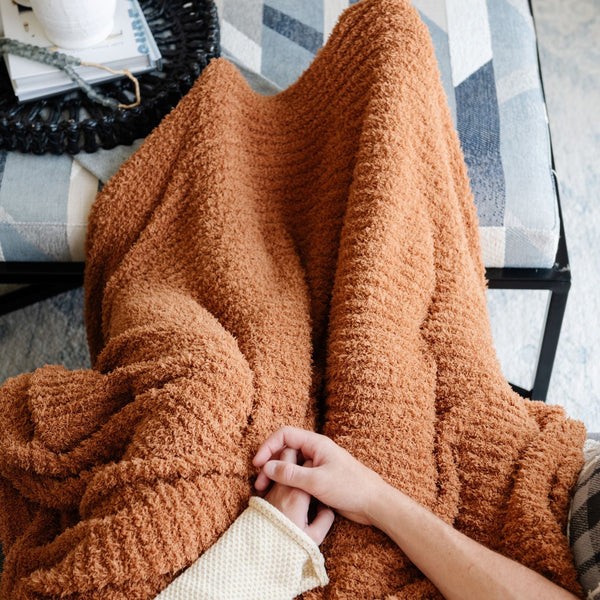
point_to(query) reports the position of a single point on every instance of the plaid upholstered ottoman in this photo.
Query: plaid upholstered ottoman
(488, 60)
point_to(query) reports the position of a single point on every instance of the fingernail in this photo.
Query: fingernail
(269, 469)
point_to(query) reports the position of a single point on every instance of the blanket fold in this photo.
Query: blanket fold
(309, 258)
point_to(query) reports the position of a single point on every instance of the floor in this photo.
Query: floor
(569, 33)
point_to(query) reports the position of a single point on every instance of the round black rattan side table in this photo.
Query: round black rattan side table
(187, 34)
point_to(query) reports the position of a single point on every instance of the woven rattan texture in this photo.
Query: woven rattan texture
(187, 34)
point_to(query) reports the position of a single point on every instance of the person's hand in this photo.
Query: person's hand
(457, 565)
(329, 473)
(294, 503)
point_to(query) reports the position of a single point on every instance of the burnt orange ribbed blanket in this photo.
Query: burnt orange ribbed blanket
(310, 259)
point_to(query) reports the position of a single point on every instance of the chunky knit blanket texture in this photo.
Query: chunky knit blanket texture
(310, 259)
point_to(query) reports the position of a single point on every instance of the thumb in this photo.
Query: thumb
(321, 524)
(289, 474)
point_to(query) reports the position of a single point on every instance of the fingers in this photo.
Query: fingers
(288, 455)
(262, 482)
(321, 524)
(289, 494)
(292, 437)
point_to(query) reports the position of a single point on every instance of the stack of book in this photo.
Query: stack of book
(131, 45)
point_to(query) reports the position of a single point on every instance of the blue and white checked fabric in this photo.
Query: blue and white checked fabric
(44, 206)
(487, 56)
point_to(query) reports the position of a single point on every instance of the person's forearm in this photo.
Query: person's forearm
(458, 566)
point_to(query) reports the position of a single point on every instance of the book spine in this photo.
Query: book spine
(137, 26)
(143, 35)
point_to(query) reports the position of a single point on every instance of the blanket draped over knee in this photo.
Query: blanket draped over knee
(311, 259)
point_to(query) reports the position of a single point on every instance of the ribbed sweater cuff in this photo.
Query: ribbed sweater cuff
(315, 574)
(262, 556)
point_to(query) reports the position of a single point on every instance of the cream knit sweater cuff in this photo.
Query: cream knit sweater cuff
(262, 556)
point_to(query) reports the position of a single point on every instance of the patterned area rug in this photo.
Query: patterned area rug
(53, 331)
(49, 332)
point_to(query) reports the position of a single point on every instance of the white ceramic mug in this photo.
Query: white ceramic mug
(75, 23)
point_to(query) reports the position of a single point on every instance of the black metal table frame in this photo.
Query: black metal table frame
(555, 280)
